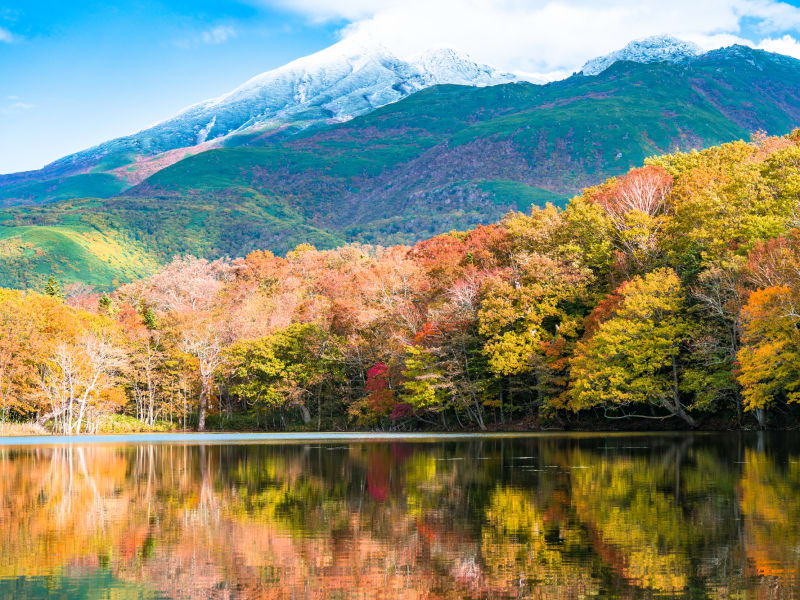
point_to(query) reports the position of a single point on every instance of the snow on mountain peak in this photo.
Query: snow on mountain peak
(347, 79)
(330, 61)
(658, 48)
(445, 65)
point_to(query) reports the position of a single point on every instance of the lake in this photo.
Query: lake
(541, 516)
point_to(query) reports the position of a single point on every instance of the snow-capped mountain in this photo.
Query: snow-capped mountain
(445, 65)
(350, 78)
(338, 83)
(658, 48)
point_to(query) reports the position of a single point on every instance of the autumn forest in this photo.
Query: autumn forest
(665, 298)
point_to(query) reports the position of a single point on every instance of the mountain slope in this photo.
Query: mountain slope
(73, 251)
(446, 157)
(420, 154)
(345, 80)
(350, 78)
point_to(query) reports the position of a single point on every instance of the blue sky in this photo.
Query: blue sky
(77, 73)
(73, 74)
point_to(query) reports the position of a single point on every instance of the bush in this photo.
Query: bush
(9, 429)
(234, 422)
(128, 424)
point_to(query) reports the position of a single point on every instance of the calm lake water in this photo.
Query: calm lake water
(561, 516)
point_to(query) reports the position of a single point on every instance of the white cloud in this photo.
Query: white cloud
(14, 108)
(545, 36)
(218, 34)
(6, 36)
(323, 10)
(782, 45)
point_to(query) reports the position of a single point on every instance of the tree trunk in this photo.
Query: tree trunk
(45, 417)
(677, 408)
(479, 414)
(304, 412)
(685, 416)
(201, 411)
(502, 389)
(759, 412)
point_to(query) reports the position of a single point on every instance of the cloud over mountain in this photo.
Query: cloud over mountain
(539, 36)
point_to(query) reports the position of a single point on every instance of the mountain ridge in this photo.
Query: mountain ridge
(335, 84)
(350, 78)
(448, 157)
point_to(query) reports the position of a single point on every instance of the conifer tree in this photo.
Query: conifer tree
(53, 288)
(105, 303)
(149, 318)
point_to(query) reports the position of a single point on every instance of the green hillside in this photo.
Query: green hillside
(88, 185)
(71, 252)
(106, 242)
(445, 158)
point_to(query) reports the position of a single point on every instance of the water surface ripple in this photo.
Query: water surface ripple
(294, 516)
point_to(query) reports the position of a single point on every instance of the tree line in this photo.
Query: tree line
(668, 296)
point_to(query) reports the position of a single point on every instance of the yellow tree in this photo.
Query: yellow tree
(769, 359)
(770, 344)
(423, 385)
(19, 341)
(632, 358)
(54, 359)
(77, 377)
(727, 198)
(528, 315)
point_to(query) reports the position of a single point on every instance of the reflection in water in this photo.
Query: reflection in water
(539, 517)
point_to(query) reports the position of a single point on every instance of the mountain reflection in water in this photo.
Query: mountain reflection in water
(541, 517)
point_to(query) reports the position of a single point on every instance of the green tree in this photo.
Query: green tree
(423, 386)
(53, 288)
(149, 318)
(291, 367)
(105, 304)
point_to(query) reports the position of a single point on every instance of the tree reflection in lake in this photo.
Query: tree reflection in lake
(539, 517)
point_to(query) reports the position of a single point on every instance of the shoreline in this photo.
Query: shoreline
(301, 437)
